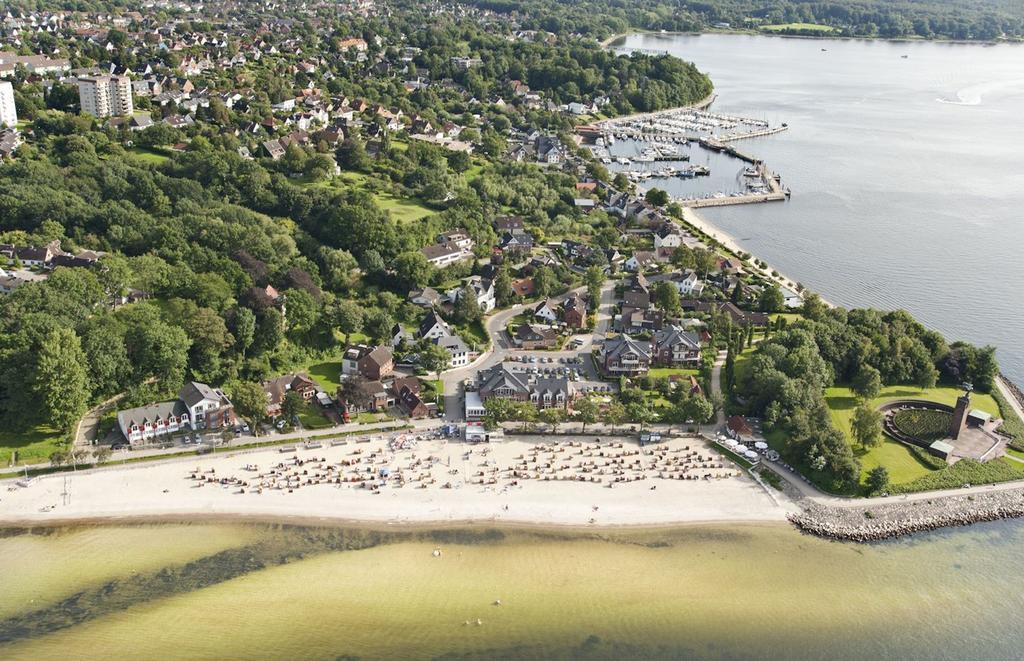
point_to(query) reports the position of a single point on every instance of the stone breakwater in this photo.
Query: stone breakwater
(871, 523)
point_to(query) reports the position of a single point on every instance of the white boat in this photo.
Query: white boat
(751, 172)
(623, 161)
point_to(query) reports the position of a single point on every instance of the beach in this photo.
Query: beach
(552, 481)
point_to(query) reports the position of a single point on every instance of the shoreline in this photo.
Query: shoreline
(607, 42)
(693, 218)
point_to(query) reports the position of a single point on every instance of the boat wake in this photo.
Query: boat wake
(973, 94)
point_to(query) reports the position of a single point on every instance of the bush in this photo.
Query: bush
(965, 471)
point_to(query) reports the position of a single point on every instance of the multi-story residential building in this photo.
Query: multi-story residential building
(674, 347)
(624, 356)
(198, 407)
(8, 113)
(106, 96)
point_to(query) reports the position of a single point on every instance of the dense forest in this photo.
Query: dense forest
(927, 19)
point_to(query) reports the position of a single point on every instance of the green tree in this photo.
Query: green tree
(543, 281)
(771, 299)
(503, 287)
(640, 413)
(102, 454)
(412, 271)
(348, 317)
(433, 358)
(61, 382)
(615, 414)
(594, 277)
(657, 197)
(666, 295)
(498, 410)
(586, 411)
(866, 425)
(985, 369)
(250, 402)
(552, 417)
(245, 329)
(467, 308)
(878, 479)
(867, 383)
(292, 405)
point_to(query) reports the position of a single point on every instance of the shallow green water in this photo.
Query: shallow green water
(261, 591)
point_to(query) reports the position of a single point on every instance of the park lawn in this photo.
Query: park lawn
(148, 155)
(841, 401)
(809, 27)
(311, 417)
(33, 446)
(898, 459)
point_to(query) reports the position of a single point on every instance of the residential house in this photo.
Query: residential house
(456, 348)
(433, 327)
(371, 396)
(546, 310)
(276, 390)
(147, 422)
(372, 363)
(574, 311)
(641, 260)
(426, 297)
(208, 408)
(443, 254)
(523, 287)
(545, 392)
(624, 356)
(674, 347)
(531, 337)
(687, 282)
(482, 288)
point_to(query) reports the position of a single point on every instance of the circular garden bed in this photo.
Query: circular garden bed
(925, 424)
(916, 422)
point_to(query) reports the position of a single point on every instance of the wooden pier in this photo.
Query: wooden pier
(776, 193)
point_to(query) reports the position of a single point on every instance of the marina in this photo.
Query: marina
(661, 150)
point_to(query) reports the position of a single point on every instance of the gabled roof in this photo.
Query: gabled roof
(625, 344)
(433, 319)
(194, 392)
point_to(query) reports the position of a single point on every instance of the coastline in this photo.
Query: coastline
(607, 42)
(693, 218)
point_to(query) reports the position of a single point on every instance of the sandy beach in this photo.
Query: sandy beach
(563, 481)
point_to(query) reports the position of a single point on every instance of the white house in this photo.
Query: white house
(547, 311)
(456, 347)
(688, 283)
(434, 327)
(207, 407)
(482, 287)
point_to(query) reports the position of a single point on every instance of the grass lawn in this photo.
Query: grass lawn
(155, 156)
(311, 418)
(807, 27)
(327, 374)
(403, 210)
(790, 317)
(33, 446)
(475, 335)
(656, 372)
(903, 466)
